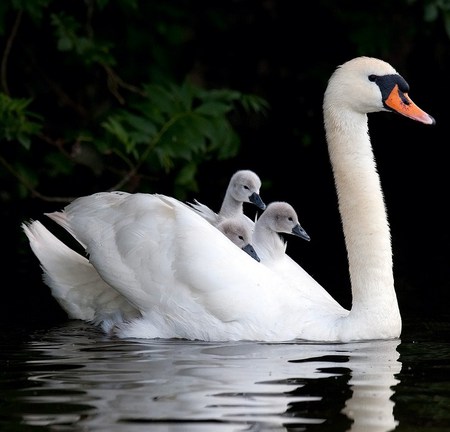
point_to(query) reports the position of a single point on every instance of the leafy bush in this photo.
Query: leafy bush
(72, 117)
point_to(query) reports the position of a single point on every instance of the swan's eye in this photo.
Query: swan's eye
(290, 218)
(372, 78)
(241, 238)
(246, 187)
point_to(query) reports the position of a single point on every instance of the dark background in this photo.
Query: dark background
(285, 52)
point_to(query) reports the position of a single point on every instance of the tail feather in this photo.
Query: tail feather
(204, 211)
(75, 283)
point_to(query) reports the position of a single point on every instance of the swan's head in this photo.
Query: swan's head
(244, 186)
(366, 84)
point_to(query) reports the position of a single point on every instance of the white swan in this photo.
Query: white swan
(243, 187)
(187, 280)
(279, 217)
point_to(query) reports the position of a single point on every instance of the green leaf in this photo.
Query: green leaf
(17, 122)
(214, 109)
(116, 129)
(162, 98)
(181, 141)
(142, 124)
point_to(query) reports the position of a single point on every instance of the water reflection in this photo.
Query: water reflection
(77, 377)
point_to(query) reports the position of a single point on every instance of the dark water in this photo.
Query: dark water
(73, 378)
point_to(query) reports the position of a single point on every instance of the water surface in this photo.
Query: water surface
(73, 378)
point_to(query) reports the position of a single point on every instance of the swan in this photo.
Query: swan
(243, 187)
(187, 280)
(278, 217)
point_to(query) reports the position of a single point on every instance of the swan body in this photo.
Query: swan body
(244, 187)
(78, 287)
(174, 275)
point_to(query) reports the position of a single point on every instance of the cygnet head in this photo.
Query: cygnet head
(244, 187)
(281, 217)
(236, 230)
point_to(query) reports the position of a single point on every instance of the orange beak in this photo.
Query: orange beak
(400, 102)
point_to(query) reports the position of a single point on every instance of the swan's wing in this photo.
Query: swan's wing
(166, 259)
(74, 282)
(117, 236)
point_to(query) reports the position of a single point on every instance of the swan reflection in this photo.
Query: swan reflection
(172, 384)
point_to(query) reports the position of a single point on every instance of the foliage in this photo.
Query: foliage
(17, 123)
(140, 95)
(76, 115)
(435, 9)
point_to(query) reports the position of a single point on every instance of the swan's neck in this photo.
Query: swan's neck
(230, 207)
(363, 214)
(269, 245)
